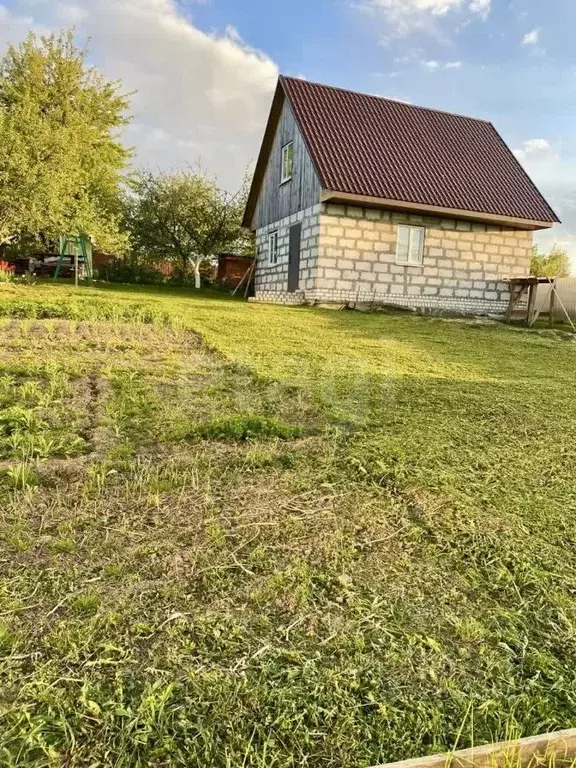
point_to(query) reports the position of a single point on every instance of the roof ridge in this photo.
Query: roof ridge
(385, 98)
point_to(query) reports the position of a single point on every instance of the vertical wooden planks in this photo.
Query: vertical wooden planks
(277, 201)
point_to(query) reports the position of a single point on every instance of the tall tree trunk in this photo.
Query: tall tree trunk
(197, 281)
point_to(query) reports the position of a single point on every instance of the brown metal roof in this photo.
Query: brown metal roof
(370, 146)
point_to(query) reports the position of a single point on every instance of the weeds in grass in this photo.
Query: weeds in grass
(19, 476)
(6, 639)
(86, 604)
(245, 428)
(133, 312)
(63, 545)
(277, 592)
(36, 417)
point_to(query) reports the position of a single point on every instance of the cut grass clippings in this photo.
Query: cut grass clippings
(246, 535)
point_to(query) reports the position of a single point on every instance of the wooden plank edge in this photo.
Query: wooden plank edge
(505, 754)
(331, 196)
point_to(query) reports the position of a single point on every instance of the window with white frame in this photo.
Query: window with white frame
(287, 162)
(410, 245)
(273, 247)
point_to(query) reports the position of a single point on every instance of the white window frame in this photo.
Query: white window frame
(285, 149)
(273, 248)
(413, 260)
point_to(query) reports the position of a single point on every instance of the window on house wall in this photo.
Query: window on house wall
(410, 245)
(287, 162)
(273, 247)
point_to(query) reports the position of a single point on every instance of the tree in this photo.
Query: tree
(553, 264)
(184, 218)
(61, 161)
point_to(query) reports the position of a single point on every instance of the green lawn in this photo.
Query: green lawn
(244, 535)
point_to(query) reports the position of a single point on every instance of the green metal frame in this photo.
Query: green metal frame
(85, 255)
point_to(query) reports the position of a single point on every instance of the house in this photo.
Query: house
(361, 198)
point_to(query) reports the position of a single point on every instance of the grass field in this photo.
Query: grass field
(246, 535)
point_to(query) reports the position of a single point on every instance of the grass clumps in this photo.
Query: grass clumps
(243, 428)
(80, 309)
(86, 605)
(18, 476)
(37, 416)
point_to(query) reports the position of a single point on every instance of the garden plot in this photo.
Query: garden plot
(72, 389)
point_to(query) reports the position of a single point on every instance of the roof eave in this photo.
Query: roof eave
(433, 210)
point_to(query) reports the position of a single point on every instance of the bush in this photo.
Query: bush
(6, 272)
(553, 264)
(186, 277)
(132, 271)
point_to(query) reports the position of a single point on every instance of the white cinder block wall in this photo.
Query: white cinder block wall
(271, 280)
(349, 254)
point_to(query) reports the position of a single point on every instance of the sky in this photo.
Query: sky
(202, 72)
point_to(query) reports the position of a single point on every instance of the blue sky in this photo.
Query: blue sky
(204, 71)
(527, 89)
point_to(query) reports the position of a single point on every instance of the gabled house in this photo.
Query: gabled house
(361, 198)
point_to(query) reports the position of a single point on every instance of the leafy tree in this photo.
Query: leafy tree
(61, 160)
(553, 264)
(184, 218)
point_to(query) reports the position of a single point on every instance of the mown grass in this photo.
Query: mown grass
(243, 535)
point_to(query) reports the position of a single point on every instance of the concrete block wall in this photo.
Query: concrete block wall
(271, 280)
(349, 254)
(464, 265)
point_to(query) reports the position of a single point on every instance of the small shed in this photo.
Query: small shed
(232, 268)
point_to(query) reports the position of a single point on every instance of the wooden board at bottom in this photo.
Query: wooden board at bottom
(519, 753)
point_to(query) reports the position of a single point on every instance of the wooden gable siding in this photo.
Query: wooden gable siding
(277, 201)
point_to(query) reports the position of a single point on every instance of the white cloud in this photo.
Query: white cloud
(412, 54)
(409, 7)
(434, 66)
(481, 7)
(532, 149)
(415, 57)
(404, 15)
(537, 144)
(195, 93)
(531, 38)
(554, 174)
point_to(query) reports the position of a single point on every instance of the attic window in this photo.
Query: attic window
(410, 245)
(287, 162)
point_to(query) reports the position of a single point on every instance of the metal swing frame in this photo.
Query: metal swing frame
(81, 251)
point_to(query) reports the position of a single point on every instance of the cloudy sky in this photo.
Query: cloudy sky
(203, 71)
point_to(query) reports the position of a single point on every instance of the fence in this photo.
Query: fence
(565, 299)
